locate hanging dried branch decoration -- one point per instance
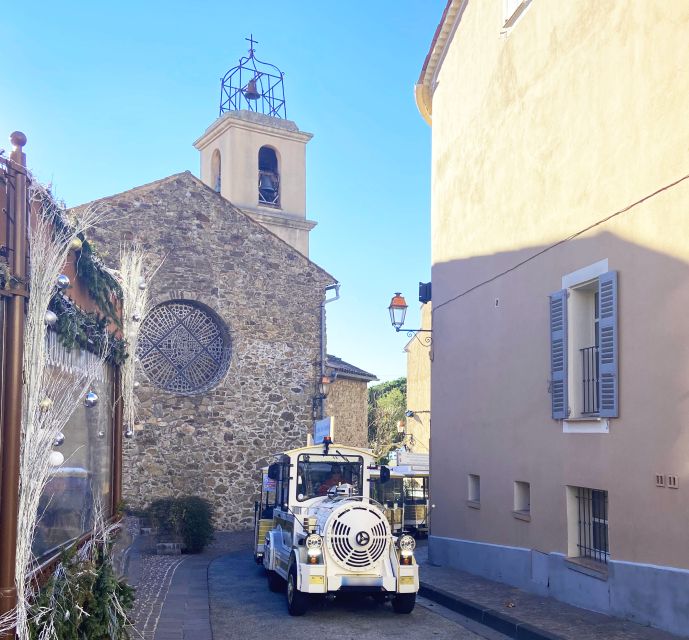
(49, 395)
(133, 273)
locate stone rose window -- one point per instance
(184, 347)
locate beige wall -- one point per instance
(579, 111)
(347, 402)
(418, 426)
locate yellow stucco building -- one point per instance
(560, 250)
(417, 424)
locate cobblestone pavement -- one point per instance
(243, 608)
(172, 591)
(222, 594)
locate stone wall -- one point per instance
(347, 402)
(269, 296)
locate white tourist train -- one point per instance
(318, 530)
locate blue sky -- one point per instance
(112, 95)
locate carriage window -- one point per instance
(389, 494)
(318, 473)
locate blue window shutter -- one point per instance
(558, 354)
(608, 345)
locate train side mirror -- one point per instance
(274, 471)
(384, 474)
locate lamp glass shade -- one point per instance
(398, 310)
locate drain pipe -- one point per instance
(336, 288)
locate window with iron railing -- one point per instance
(592, 510)
(584, 347)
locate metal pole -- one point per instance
(117, 442)
(14, 349)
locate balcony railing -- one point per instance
(590, 380)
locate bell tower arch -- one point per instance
(254, 156)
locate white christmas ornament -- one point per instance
(56, 458)
(50, 318)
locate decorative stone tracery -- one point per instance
(184, 348)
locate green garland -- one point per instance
(86, 330)
(74, 326)
(102, 287)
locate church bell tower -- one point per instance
(254, 156)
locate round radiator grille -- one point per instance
(357, 535)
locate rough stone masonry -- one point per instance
(266, 299)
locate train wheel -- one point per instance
(404, 602)
(296, 600)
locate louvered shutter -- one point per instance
(558, 354)
(608, 353)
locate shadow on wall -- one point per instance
(492, 363)
(492, 414)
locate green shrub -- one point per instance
(188, 519)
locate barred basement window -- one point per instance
(592, 523)
(184, 347)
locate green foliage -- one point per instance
(83, 600)
(86, 330)
(102, 287)
(387, 403)
(188, 519)
(74, 326)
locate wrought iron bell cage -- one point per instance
(253, 85)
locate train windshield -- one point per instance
(316, 474)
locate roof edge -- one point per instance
(425, 86)
(189, 174)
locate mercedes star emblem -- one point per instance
(362, 538)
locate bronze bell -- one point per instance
(265, 182)
(250, 91)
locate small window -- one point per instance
(268, 178)
(522, 499)
(474, 490)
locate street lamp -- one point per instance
(398, 311)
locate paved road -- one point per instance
(242, 608)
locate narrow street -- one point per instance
(243, 607)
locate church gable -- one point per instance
(209, 436)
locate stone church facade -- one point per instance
(231, 353)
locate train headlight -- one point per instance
(407, 544)
(314, 545)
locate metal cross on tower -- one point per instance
(253, 85)
(251, 42)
